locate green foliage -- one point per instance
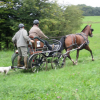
(54, 20)
(89, 11)
(62, 21)
(72, 19)
(3, 44)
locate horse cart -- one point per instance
(39, 56)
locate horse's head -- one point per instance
(90, 33)
(88, 30)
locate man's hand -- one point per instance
(47, 38)
(15, 44)
(31, 41)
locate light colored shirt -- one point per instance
(35, 31)
(21, 38)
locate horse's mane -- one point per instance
(84, 28)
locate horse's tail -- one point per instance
(62, 40)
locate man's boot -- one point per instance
(25, 62)
(19, 60)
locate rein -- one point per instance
(82, 35)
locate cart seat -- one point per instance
(38, 43)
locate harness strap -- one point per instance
(73, 40)
(75, 44)
(85, 38)
(82, 35)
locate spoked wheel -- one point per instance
(38, 62)
(58, 60)
(15, 60)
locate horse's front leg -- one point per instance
(87, 48)
(77, 55)
(68, 55)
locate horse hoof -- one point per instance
(93, 59)
(74, 63)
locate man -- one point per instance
(35, 31)
(21, 38)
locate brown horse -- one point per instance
(78, 41)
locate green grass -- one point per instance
(91, 20)
(79, 82)
(5, 58)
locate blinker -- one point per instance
(92, 29)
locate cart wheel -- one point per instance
(58, 60)
(15, 60)
(38, 62)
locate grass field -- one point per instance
(92, 20)
(73, 82)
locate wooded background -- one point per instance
(55, 20)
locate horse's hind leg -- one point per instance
(87, 48)
(77, 56)
(68, 55)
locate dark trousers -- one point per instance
(62, 40)
(47, 44)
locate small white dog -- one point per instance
(5, 69)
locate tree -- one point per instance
(54, 20)
(61, 21)
(89, 11)
(73, 16)
(5, 5)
